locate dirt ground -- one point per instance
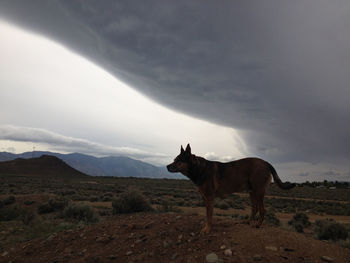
(173, 238)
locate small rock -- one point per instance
(272, 248)
(327, 259)
(148, 225)
(128, 253)
(4, 254)
(68, 250)
(212, 258)
(178, 229)
(102, 239)
(192, 234)
(28, 251)
(162, 233)
(51, 237)
(174, 256)
(178, 217)
(132, 227)
(139, 258)
(289, 249)
(228, 252)
(257, 257)
(223, 247)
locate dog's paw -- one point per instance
(205, 230)
(257, 225)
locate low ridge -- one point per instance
(45, 165)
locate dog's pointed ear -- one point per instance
(188, 148)
(182, 149)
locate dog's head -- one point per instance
(181, 162)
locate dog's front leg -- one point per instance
(209, 204)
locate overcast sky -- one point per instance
(234, 78)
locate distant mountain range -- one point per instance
(45, 165)
(103, 166)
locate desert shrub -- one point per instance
(271, 218)
(78, 197)
(235, 215)
(52, 205)
(58, 204)
(130, 202)
(243, 217)
(45, 208)
(345, 243)
(28, 202)
(222, 204)
(237, 202)
(104, 212)
(94, 199)
(180, 203)
(67, 192)
(80, 212)
(8, 214)
(27, 217)
(298, 226)
(106, 199)
(166, 207)
(9, 200)
(299, 222)
(330, 230)
(199, 203)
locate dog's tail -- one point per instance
(284, 186)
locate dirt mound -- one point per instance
(45, 166)
(173, 238)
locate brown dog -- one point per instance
(216, 179)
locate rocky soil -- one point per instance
(174, 238)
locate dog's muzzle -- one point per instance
(171, 168)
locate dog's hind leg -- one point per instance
(254, 208)
(260, 201)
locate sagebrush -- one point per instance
(131, 202)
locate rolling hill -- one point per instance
(45, 165)
(104, 166)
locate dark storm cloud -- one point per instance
(276, 70)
